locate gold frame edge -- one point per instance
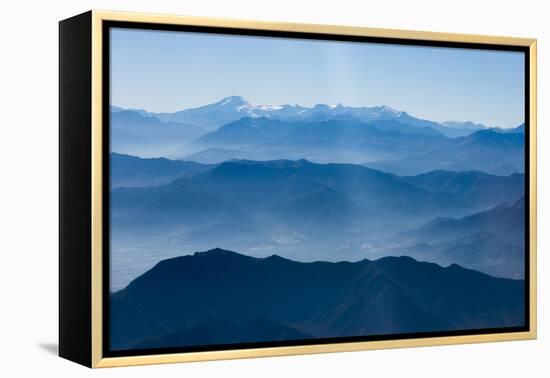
(533, 188)
(98, 361)
(97, 195)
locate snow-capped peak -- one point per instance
(234, 101)
(270, 107)
(389, 109)
(464, 125)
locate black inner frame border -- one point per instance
(106, 27)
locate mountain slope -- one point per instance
(213, 115)
(321, 140)
(247, 131)
(507, 221)
(219, 155)
(464, 125)
(488, 150)
(491, 241)
(484, 252)
(476, 188)
(251, 184)
(139, 134)
(131, 171)
(185, 299)
(163, 208)
(387, 144)
(219, 331)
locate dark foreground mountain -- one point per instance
(216, 330)
(221, 297)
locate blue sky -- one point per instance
(169, 71)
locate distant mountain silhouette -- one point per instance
(333, 140)
(210, 116)
(507, 221)
(278, 192)
(219, 155)
(494, 138)
(405, 128)
(488, 150)
(484, 252)
(162, 208)
(515, 130)
(476, 188)
(388, 144)
(253, 183)
(138, 133)
(519, 129)
(223, 297)
(491, 241)
(233, 108)
(381, 137)
(131, 171)
(247, 131)
(468, 125)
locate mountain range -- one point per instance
(222, 297)
(379, 137)
(475, 189)
(376, 145)
(299, 209)
(277, 203)
(233, 108)
(387, 145)
(334, 140)
(491, 151)
(323, 202)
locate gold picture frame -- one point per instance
(93, 353)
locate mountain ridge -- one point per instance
(321, 299)
(132, 171)
(491, 241)
(234, 107)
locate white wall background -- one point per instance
(28, 200)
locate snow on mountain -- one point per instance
(464, 125)
(232, 108)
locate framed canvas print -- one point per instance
(236, 189)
